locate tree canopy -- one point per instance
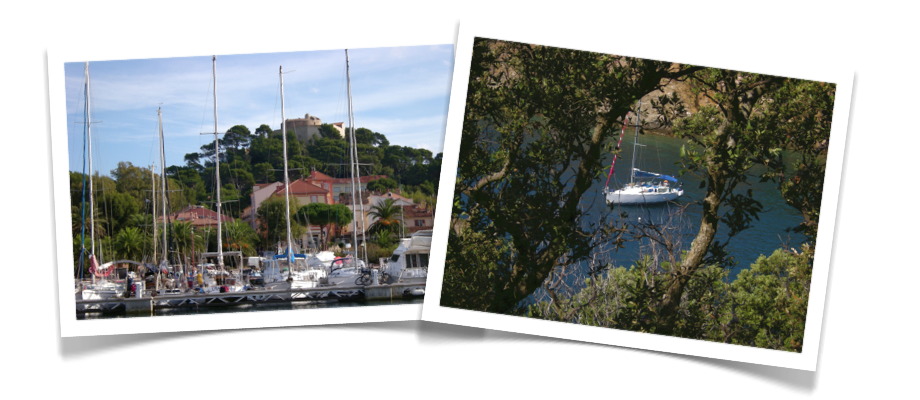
(537, 122)
(537, 119)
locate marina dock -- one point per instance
(191, 299)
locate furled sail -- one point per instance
(651, 175)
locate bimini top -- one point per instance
(649, 175)
(284, 256)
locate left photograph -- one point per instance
(249, 183)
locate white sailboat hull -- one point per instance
(345, 276)
(101, 294)
(643, 195)
(102, 291)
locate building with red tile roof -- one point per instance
(341, 187)
(417, 218)
(305, 192)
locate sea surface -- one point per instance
(772, 230)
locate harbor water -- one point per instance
(248, 307)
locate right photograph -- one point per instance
(639, 195)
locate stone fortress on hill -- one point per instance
(306, 128)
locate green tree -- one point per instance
(537, 120)
(369, 137)
(742, 128)
(382, 185)
(263, 131)
(323, 214)
(328, 131)
(193, 160)
(119, 207)
(764, 306)
(751, 119)
(267, 149)
(770, 301)
(800, 112)
(189, 181)
(263, 172)
(272, 222)
(236, 138)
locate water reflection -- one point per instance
(250, 307)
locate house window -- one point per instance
(419, 222)
(314, 199)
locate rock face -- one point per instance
(653, 121)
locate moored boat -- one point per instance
(644, 187)
(409, 262)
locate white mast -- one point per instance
(153, 202)
(632, 169)
(89, 143)
(355, 170)
(163, 192)
(220, 245)
(287, 181)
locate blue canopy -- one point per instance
(650, 175)
(283, 256)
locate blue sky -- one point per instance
(402, 92)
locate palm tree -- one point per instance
(386, 216)
(240, 236)
(129, 243)
(183, 235)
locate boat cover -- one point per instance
(644, 174)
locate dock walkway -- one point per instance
(192, 299)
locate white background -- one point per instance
(869, 338)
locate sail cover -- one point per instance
(651, 175)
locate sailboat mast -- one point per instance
(287, 181)
(632, 169)
(220, 245)
(163, 182)
(89, 143)
(153, 202)
(355, 170)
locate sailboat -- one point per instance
(289, 270)
(349, 270)
(167, 281)
(644, 187)
(223, 280)
(101, 287)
